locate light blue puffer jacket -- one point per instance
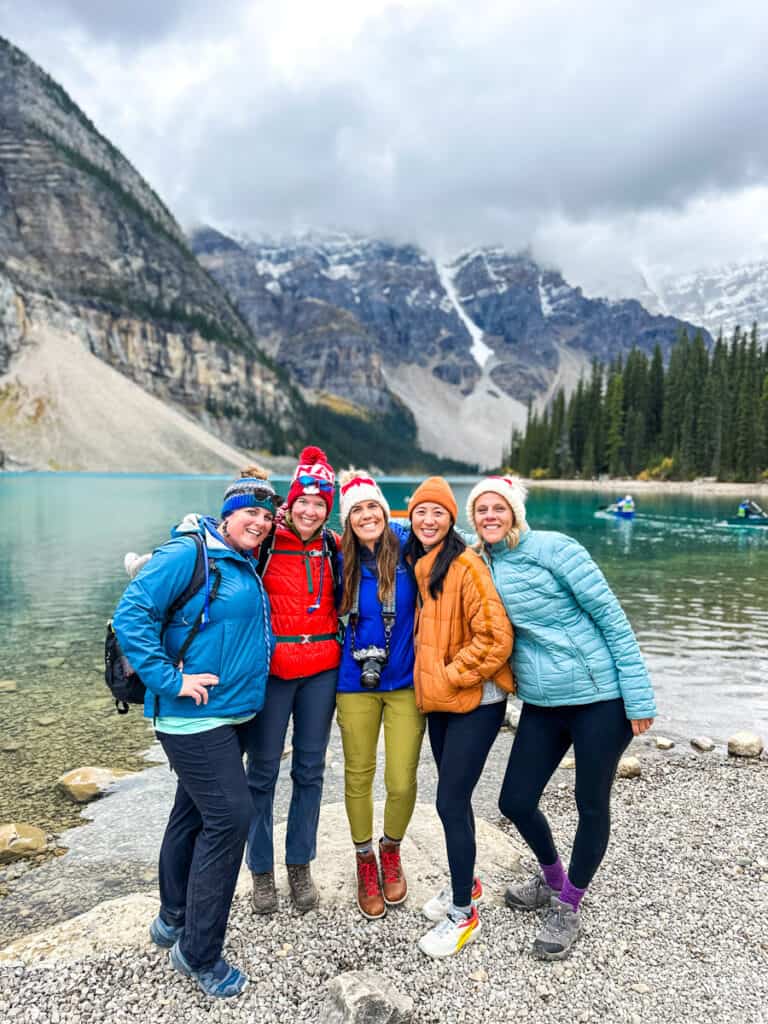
(573, 642)
(236, 645)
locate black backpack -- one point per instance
(123, 681)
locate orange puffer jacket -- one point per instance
(306, 641)
(462, 639)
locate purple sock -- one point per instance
(570, 894)
(554, 875)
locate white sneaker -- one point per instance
(436, 908)
(449, 936)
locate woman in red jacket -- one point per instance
(298, 575)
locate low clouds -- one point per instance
(581, 128)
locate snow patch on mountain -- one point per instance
(481, 352)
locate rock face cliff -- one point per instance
(465, 346)
(89, 251)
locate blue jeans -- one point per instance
(312, 701)
(460, 745)
(205, 836)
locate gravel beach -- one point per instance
(675, 928)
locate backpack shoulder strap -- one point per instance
(198, 578)
(265, 553)
(331, 549)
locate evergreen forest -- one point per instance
(704, 414)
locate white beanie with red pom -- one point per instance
(355, 486)
(510, 488)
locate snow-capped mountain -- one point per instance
(720, 299)
(465, 344)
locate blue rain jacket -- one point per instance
(398, 672)
(573, 642)
(236, 645)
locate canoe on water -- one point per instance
(747, 521)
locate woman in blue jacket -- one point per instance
(375, 687)
(203, 707)
(582, 681)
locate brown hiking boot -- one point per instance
(393, 880)
(264, 895)
(370, 902)
(303, 890)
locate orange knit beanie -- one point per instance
(437, 490)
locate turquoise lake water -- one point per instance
(696, 594)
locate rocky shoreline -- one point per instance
(673, 925)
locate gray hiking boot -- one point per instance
(532, 894)
(303, 890)
(558, 931)
(264, 896)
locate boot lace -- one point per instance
(369, 876)
(390, 866)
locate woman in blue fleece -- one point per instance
(203, 708)
(582, 681)
(375, 688)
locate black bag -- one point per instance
(123, 681)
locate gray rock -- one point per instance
(703, 743)
(745, 744)
(629, 768)
(365, 997)
(662, 743)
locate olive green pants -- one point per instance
(360, 716)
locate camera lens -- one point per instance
(370, 674)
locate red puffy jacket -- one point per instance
(296, 575)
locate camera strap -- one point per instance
(388, 615)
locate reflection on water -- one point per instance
(696, 595)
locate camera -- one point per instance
(371, 660)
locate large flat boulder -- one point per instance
(114, 924)
(422, 851)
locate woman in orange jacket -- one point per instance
(463, 641)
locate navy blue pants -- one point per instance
(204, 839)
(460, 745)
(311, 701)
(600, 733)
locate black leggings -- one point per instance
(460, 744)
(600, 734)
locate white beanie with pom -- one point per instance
(355, 486)
(510, 488)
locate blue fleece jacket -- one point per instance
(236, 645)
(398, 672)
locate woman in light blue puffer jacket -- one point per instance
(582, 681)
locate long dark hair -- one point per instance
(452, 547)
(387, 557)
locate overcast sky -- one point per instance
(605, 134)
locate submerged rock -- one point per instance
(18, 840)
(8, 686)
(629, 768)
(703, 743)
(85, 784)
(745, 744)
(365, 997)
(113, 925)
